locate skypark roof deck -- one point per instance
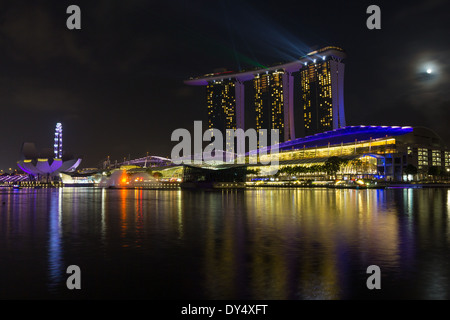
(292, 66)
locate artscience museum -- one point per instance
(47, 163)
(44, 165)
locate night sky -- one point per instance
(117, 86)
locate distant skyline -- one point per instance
(117, 86)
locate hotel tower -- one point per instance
(320, 105)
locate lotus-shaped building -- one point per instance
(47, 163)
(43, 164)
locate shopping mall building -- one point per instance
(381, 152)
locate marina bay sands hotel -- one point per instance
(311, 88)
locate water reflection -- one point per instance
(317, 237)
(55, 260)
(296, 243)
(123, 215)
(103, 213)
(254, 244)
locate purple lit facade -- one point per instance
(46, 164)
(13, 178)
(345, 135)
(48, 167)
(394, 147)
(58, 141)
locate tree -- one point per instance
(254, 171)
(410, 169)
(332, 165)
(434, 171)
(357, 164)
(157, 175)
(316, 168)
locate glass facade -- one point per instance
(221, 102)
(379, 147)
(269, 101)
(315, 80)
(447, 160)
(436, 158)
(422, 158)
(385, 152)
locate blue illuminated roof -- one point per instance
(345, 135)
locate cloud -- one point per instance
(31, 33)
(30, 96)
(411, 11)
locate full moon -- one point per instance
(429, 71)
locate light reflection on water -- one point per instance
(55, 263)
(254, 244)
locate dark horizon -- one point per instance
(117, 85)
